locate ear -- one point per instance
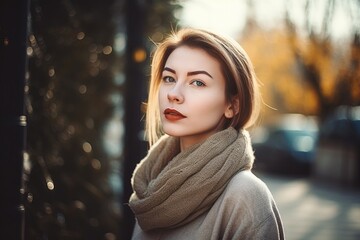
(233, 108)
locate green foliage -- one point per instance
(70, 80)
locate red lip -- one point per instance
(173, 115)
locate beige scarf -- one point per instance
(172, 188)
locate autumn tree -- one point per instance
(282, 88)
(331, 70)
(304, 67)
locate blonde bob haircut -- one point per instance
(242, 87)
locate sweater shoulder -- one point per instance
(247, 194)
(245, 184)
(246, 210)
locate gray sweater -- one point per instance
(245, 210)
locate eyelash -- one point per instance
(198, 83)
(168, 79)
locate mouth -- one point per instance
(173, 115)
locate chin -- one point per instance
(174, 131)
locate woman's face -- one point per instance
(192, 96)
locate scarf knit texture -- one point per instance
(172, 188)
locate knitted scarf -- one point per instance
(171, 188)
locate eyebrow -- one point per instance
(189, 73)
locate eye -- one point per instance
(168, 79)
(198, 83)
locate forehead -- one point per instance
(192, 59)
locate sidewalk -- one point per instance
(312, 211)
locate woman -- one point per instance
(196, 181)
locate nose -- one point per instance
(175, 95)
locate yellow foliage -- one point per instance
(275, 66)
(320, 55)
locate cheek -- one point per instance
(212, 105)
(162, 97)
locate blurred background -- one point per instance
(79, 123)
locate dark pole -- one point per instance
(13, 61)
(135, 89)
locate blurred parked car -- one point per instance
(338, 150)
(286, 145)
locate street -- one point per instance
(315, 211)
